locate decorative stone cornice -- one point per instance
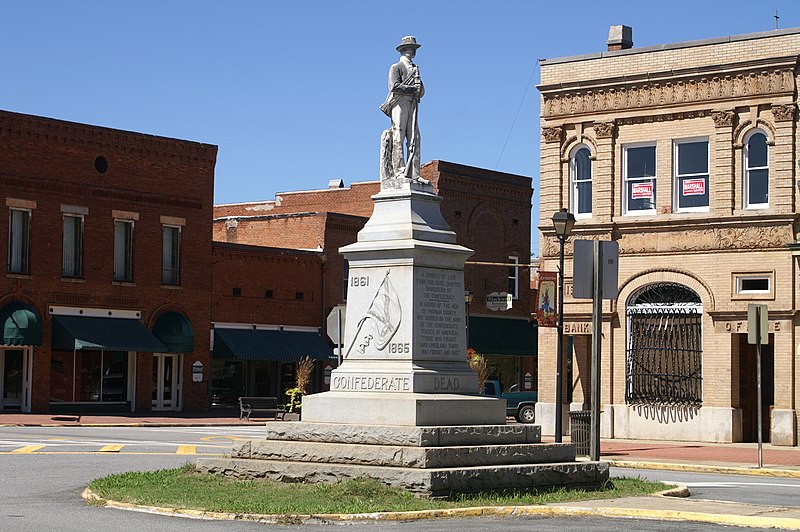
(723, 118)
(552, 134)
(686, 240)
(671, 90)
(783, 113)
(604, 130)
(666, 117)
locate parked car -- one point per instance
(520, 405)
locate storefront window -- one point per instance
(227, 382)
(89, 376)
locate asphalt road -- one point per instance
(40, 488)
(770, 491)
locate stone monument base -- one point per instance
(412, 409)
(430, 461)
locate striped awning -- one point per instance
(278, 346)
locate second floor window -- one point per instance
(581, 182)
(123, 250)
(72, 247)
(19, 241)
(171, 255)
(691, 175)
(639, 170)
(756, 172)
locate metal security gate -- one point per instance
(664, 355)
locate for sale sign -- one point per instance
(694, 187)
(642, 190)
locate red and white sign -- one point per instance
(642, 190)
(694, 187)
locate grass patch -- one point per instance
(185, 488)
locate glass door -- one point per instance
(12, 381)
(166, 381)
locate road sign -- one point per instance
(757, 324)
(335, 324)
(583, 269)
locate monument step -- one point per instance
(430, 482)
(401, 435)
(397, 456)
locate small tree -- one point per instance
(478, 364)
(303, 373)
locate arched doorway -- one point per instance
(664, 346)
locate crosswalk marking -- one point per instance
(27, 449)
(186, 449)
(111, 448)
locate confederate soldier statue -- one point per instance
(401, 105)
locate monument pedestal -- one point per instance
(404, 406)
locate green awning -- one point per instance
(503, 336)
(103, 334)
(21, 325)
(175, 332)
(279, 346)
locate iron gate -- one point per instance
(664, 355)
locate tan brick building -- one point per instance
(685, 155)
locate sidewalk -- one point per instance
(737, 458)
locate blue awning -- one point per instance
(20, 325)
(103, 334)
(278, 346)
(175, 332)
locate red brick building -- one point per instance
(489, 211)
(105, 303)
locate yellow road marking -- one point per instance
(115, 448)
(186, 449)
(212, 438)
(27, 449)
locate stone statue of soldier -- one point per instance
(400, 145)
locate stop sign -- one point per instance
(335, 324)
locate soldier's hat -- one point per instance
(408, 41)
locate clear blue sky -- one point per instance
(289, 90)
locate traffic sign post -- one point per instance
(758, 334)
(335, 328)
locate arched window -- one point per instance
(756, 171)
(665, 346)
(581, 182)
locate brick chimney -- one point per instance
(620, 38)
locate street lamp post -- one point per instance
(562, 222)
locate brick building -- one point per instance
(107, 239)
(489, 211)
(685, 155)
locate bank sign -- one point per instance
(694, 187)
(498, 301)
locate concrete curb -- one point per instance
(257, 424)
(703, 468)
(493, 511)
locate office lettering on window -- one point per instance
(691, 175)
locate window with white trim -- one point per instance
(19, 241)
(171, 255)
(691, 175)
(581, 182)
(72, 246)
(639, 174)
(123, 250)
(756, 171)
(513, 278)
(753, 284)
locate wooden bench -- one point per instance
(260, 405)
